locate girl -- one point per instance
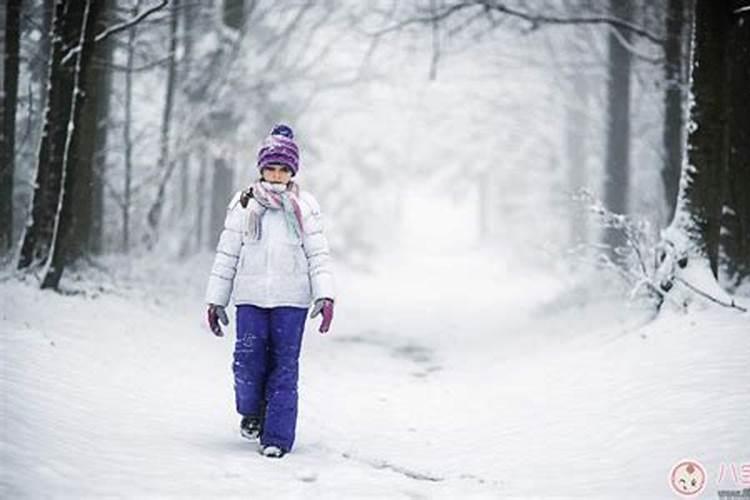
(273, 258)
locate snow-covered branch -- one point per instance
(137, 69)
(534, 19)
(127, 24)
(118, 28)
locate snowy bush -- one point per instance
(657, 270)
(637, 262)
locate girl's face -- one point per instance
(276, 173)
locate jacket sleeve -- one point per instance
(228, 250)
(318, 253)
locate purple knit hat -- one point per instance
(279, 148)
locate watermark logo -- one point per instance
(687, 478)
(740, 475)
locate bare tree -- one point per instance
(38, 233)
(87, 192)
(187, 59)
(674, 97)
(617, 158)
(102, 57)
(125, 204)
(736, 212)
(8, 102)
(704, 189)
(576, 131)
(221, 188)
(64, 222)
(716, 150)
(200, 212)
(164, 163)
(48, 9)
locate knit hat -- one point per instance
(279, 148)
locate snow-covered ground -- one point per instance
(446, 375)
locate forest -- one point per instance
(127, 125)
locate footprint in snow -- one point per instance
(307, 475)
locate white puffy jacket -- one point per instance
(279, 269)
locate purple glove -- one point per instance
(216, 314)
(326, 307)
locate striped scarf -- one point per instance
(269, 196)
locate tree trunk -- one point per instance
(674, 97)
(164, 164)
(187, 59)
(691, 248)
(127, 136)
(38, 73)
(617, 166)
(577, 127)
(64, 220)
(220, 193)
(37, 236)
(707, 142)
(44, 46)
(200, 185)
(103, 57)
(91, 121)
(736, 213)
(8, 129)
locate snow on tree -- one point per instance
(690, 249)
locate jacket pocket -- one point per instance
(286, 259)
(253, 258)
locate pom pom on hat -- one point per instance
(284, 130)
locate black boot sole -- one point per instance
(251, 435)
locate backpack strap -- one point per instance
(245, 196)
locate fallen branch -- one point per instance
(710, 297)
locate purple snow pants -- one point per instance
(266, 367)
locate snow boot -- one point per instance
(272, 451)
(250, 427)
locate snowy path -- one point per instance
(422, 390)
